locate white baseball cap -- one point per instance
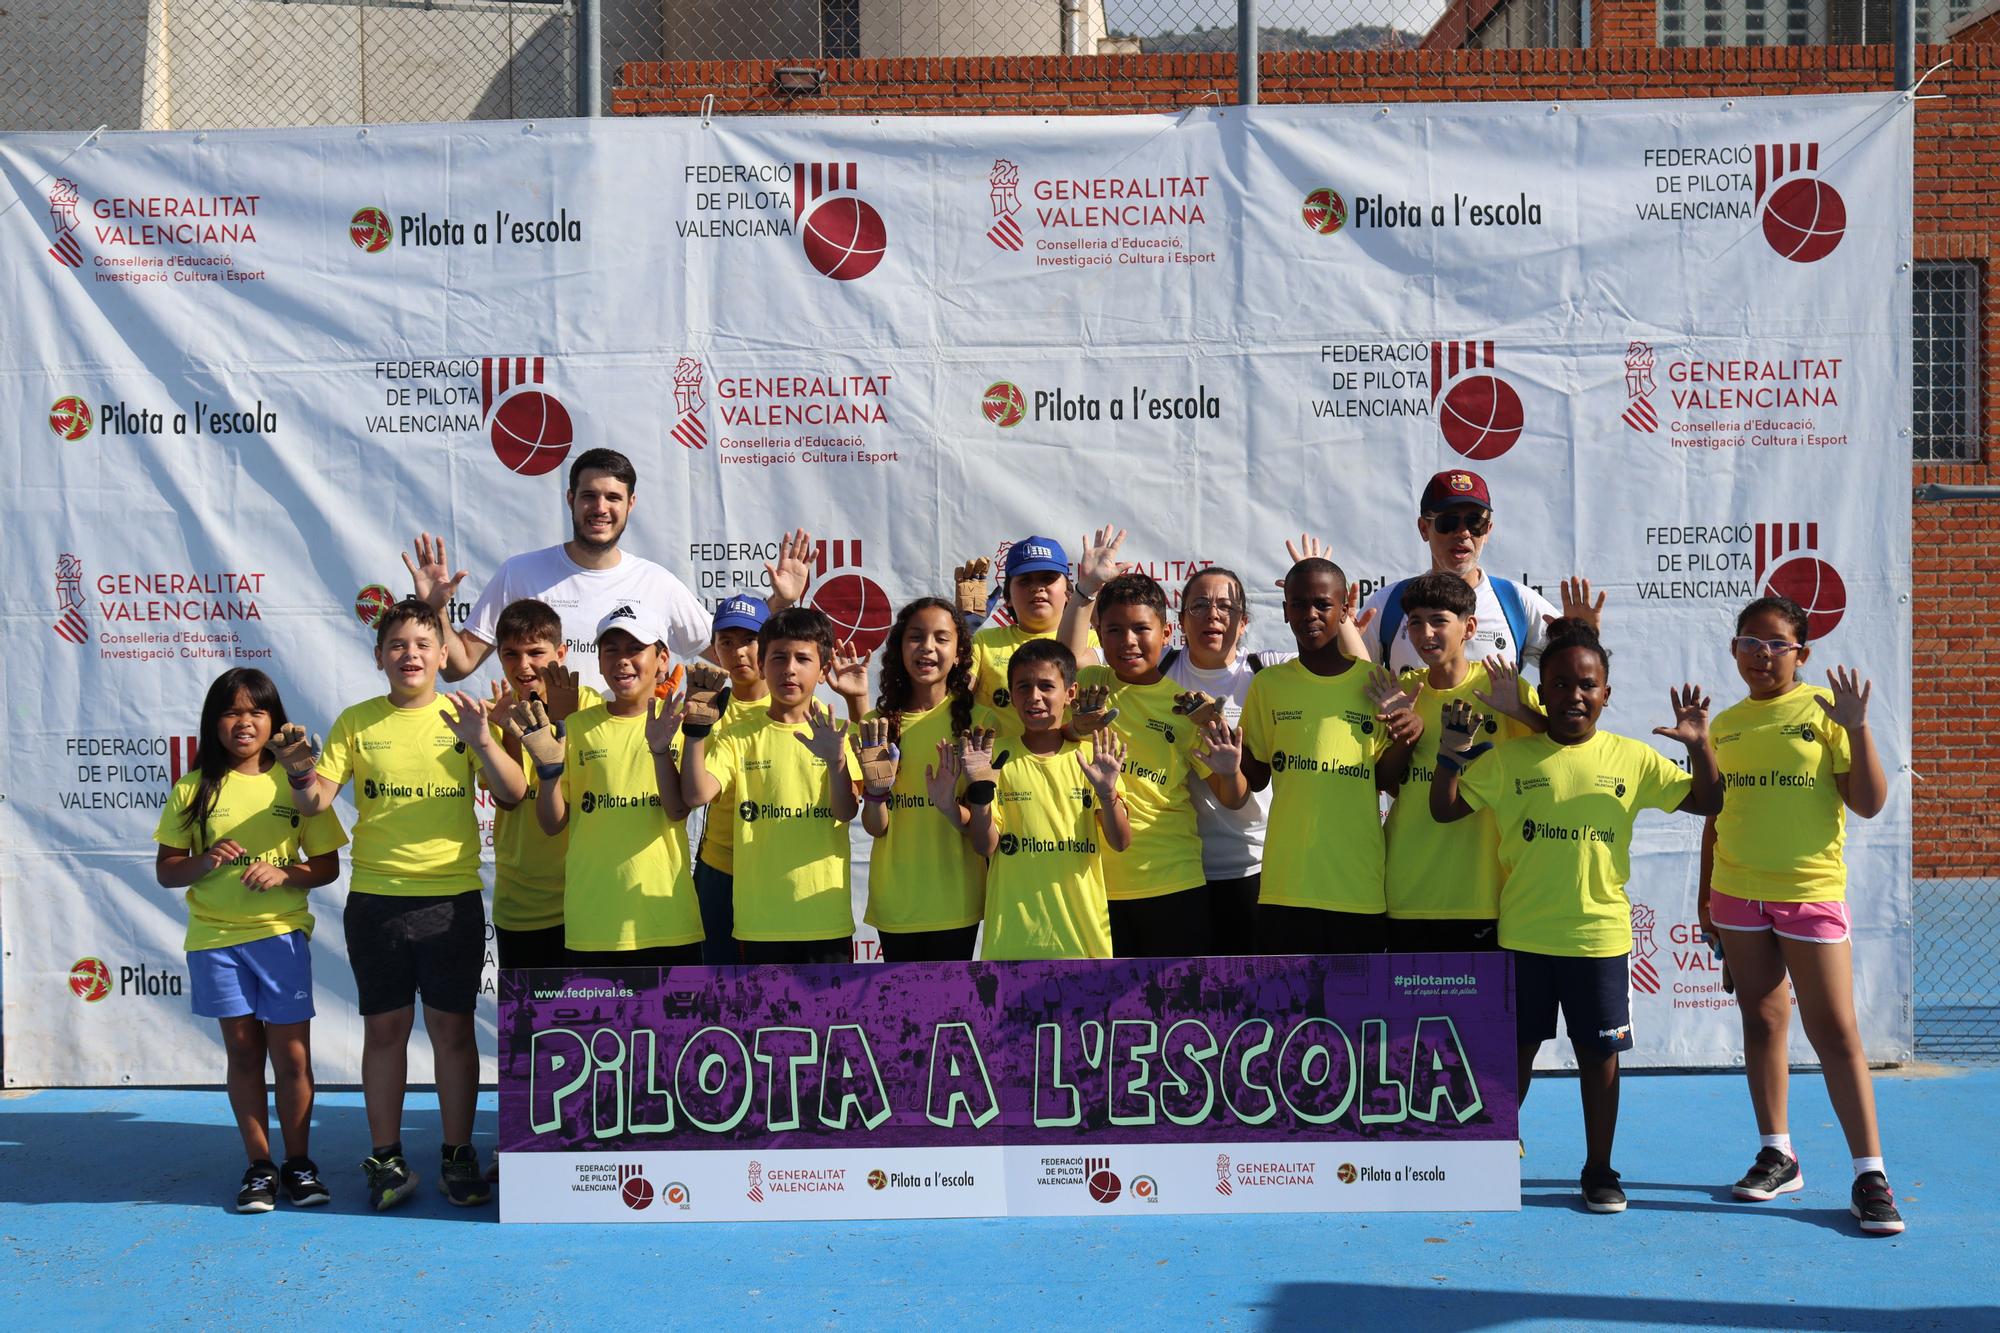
(636, 620)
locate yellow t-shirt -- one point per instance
(1565, 815)
(528, 863)
(992, 649)
(922, 874)
(1446, 871)
(630, 880)
(416, 833)
(1165, 855)
(258, 813)
(1783, 824)
(1045, 885)
(1323, 845)
(792, 873)
(718, 836)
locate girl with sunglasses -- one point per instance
(1795, 758)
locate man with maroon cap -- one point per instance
(1456, 518)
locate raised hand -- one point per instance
(1307, 547)
(467, 717)
(1098, 563)
(941, 782)
(1505, 694)
(879, 756)
(1576, 603)
(1362, 619)
(969, 583)
(1459, 727)
(849, 677)
(663, 719)
(975, 755)
(1385, 693)
(1198, 707)
(1107, 761)
(1090, 714)
(705, 699)
(1849, 709)
(1690, 716)
(1222, 747)
(431, 578)
(530, 717)
(293, 749)
(792, 570)
(559, 690)
(262, 876)
(1404, 725)
(826, 739)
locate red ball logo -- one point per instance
(1104, 1186)
(370, 231)
(69, 418)
(372, 603)
(531, 433)
(1346, 1173)
(1003, 404)
(844, 238)
(876, 1180)
(859, 610)
(1324, 211)
(638, 1192)
(1481, 416)
(89, 979)
(1818, 589)
(1804, 219)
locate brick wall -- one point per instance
(1956, 547)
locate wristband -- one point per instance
(873, 799)
(549, 772)
(300, 781)
(1086, 597)
(981, 793)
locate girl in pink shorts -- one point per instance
(1795, 758)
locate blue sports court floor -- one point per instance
(113, 1211)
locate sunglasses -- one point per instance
(1478, 524)
(1749, 646)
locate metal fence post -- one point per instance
(1246, 51)
(589, 58)
(1903, 20)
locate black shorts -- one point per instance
(792, 953)
(1594, 994)
(662, 955)
(1232, 916)
(531, 948)
(1172, 925)
(929, 946)
(401, 947)
(1442, 935)
(1288, 930)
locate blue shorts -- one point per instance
(1594, 994)
(271, 979)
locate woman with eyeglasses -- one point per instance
(1795, 758)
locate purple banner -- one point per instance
(923, 1055)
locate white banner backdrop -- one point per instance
(243, 370)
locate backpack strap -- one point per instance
(1168, 658)
(1256, 661)
(1390, 620)
(1514, 609)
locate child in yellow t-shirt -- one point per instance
(1037, 815)
(743, 697)
(1035, 581)
(232, 837)
(1326, 735)
(611, 778)
(1442, 881)
(528, 863)
(1795, 758)
(415, 920)
(926, 886)
(1565, 803)
(791, 779)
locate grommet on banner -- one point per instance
(1729, 105)
(202, 137)
(361, 133)
(707, 109)
(528, 128)
(1555, 108)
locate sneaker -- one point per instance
(1601, 1193)
(259, 1193)
(463, 1181)
(390, 1181)
(1774, 1172)
(1874, 1203)
(303, 1186)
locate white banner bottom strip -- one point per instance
(1019, 1181)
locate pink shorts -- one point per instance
(1815, 923)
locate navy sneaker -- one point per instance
(463, 1180)
(1874, 1204)
(1600, 1191)
(390, 1181)
(303, 1187)
(1774, 1172)
(259, 1193)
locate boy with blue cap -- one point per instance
(742, 695)
(1036, 587)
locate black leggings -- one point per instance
(1286, 930)
(1173, 925)
(929, 946)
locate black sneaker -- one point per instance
(462, 1180)
(1774, 1172)
(1600, 1191)
(303, 1186)
(390, 1181)
(259, 1193)
(1874, 1203)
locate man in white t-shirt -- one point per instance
(1455, 518)
(587, 577)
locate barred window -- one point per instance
(1945, 361)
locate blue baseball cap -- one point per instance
(1033, 555)
(742, 613)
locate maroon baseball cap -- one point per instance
(1456, 487)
